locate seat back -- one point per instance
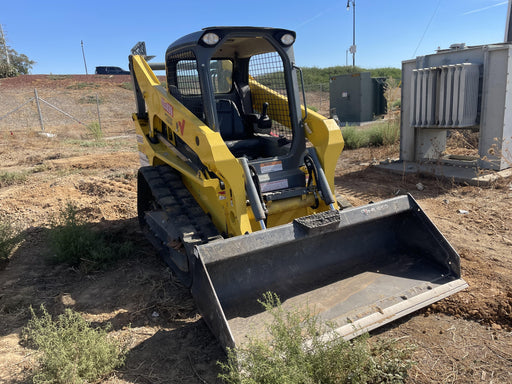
(231, 126)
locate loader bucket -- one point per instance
(360, 268)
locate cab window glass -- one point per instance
(221, 72)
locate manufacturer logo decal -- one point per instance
(167, 107)
(180, 126)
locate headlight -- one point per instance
(210, 38)
(287, 39)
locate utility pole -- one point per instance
(5, 45)
(83, 54)
(353, 47)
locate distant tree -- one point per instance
(19, 64)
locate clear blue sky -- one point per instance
(387, 32)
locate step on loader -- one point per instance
(236, 192)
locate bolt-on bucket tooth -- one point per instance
(359, 268)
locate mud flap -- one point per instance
(360, 268)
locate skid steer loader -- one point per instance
(236, 193)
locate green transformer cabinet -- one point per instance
(357, 97)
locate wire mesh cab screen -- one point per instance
(267, 70)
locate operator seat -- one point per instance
(233, 130)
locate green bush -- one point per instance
(9, 238)
(73, 241)
(354, 138)
(126, 85)
(378, 134)
(12, 178)
(90, 99)
(95, 130)
(302, 349)
(83, 85)
(71, 352)
(397, 104)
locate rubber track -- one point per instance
(191, 226)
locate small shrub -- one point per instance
(126, 85)
(397, 104)
(70, 350)
(73, 241)
(59, 77)
(95, 129)
(89, 143)
(83, 85)
(354, 138)
(12, 178)
(385, 133)
(90, 99)
(9, 238)
(375, 136)
(302, 349)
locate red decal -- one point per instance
(167, 107)
(181, 126)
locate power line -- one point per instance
(428, 25)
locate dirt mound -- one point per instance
(62, 81)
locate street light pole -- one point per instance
(353, 47)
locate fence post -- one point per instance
(39, 110)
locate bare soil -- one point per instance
(465, 338)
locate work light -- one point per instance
(287, 39)
(210, 38)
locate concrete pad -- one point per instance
(457, 173)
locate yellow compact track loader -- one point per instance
(236, 192)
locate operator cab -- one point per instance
(219, 74)
(242, 83)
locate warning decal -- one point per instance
(272, 166)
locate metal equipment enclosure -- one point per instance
(357, 97)
(458, 89)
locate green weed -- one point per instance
(378, 134)
(74, 241)
(83, 85)
(302, 349)
(127, 85)
(354, 138)
(95, 130)
(70, 350)
(10, 236)
(396, 104)
(59, 77)
(89, 143)
(12, 178)
(90, 99)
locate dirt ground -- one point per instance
(466, 338)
